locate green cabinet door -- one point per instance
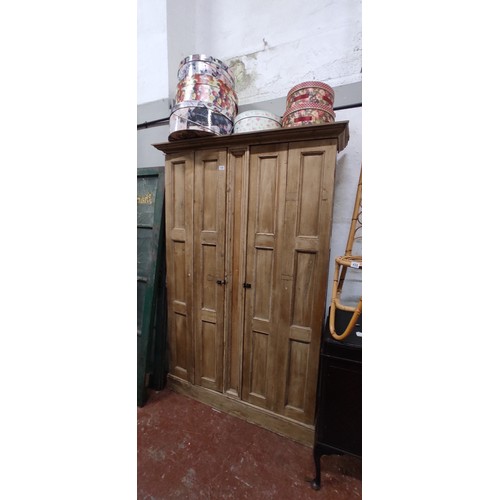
(150, 253)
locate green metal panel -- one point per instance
(159, 354)
(150, 252)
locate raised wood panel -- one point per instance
(207, 199)
(298, 360)
(309, 195)
(304, 272)
(259, 362)
(261, 325)
(208, 274)
(208, 254)
(300, 333)
(266, 195)
(208, 369)
(179, 277)
(179, 220)
(263, 296)
(303, 289)
(179, 195)
(179, 345)
(179, 307)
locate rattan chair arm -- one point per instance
(350, 326)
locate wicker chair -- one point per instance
(342, 264)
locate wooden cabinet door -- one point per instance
(209, 223)
(179, 242)
(266, 190)
(304, 273)
(290, 200)
(275, 242)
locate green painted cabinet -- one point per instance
(151, 293)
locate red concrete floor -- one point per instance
(189, 450)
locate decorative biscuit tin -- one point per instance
(205, 101)
(208, 89)
(307, 113)
(197, 119)
(316, 92)
(256, 119)
(205, 65)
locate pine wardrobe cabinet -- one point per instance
(248, 229)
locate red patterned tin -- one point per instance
(201, 64)
(315, 92)
(208, 89)
(205, 101)
(307, 113)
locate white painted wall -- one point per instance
(271, 45)
(152, 57)
(346, 183)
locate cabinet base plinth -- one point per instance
(283, 426)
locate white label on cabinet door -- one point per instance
(359, 334)
(353, 264)
(222, 167)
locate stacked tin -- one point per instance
(309, 103)
(255, 120)
(205, 101)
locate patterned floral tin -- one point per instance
(208, 89)
(256, 119)
(316, 92)
(205, 65)
(196, 119)
(307, 113)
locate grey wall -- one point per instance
(147, 155)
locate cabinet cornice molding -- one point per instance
(337, 130)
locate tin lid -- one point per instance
(298, 106)
(305, 85)
(204, 58)
(257, 113)
(207, 59)
(201, 104)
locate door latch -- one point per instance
(247, 285)
(221, 282)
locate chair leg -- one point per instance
(316, 482)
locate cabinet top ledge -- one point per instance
(337, 130)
